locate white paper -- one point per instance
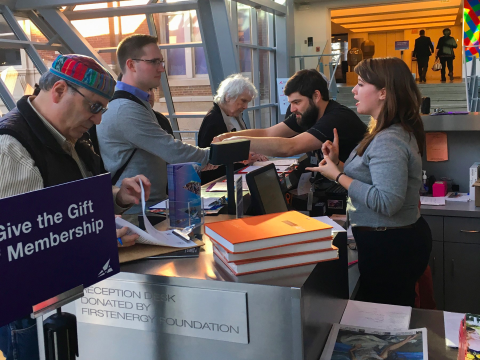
(249, 169)
(206, 204)
(222, 185)
(165, 238)
(452, 327)
(304, 184)
(153, 236)
(279, 168)
(282, 98)
(326, 220)
(462, 197)
(427, 200)
(277, 162)
(377, 316)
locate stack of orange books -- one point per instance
(270, 242)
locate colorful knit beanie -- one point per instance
(86, 72)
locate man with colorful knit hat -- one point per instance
(43, 142)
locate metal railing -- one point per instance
(332, 67)
(472, 81)
(194, 132)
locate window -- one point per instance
(3, 108)
(108, 32)
(183, 28)
(16, 70)
(8, 57)
(256, 55)
(244, 28)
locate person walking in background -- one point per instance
(422, 51)
(445, 47)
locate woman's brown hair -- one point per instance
(402, 101)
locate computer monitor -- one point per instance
(265, 190)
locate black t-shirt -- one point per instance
(349, 127)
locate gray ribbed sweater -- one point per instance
(387, 180)
(128, 125)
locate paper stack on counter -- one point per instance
(278, 162)
(427, 200)
(222, 185)
(153, 236)
(208, 204)
(280, 169)
(377, 316)
(459, 197)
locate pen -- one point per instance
(120, 241)
(181, 235)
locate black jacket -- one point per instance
(213, 125)
(55, 165)
(423, 47)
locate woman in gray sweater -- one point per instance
(383, 176)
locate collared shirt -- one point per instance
(66, 145)
(142, 95)
(19, 173)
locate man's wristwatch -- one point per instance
(338, 177)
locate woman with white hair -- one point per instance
(231, 99)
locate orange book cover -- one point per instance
(266, 231)
(328, 238)
(278, 262)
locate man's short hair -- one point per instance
(306, 82)
(422, 32)
(132, 48)
(48, 79)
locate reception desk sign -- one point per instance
(53, 240)
(196, 312)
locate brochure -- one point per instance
(349, 342)
(377, 316)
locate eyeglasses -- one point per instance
(155, 62)
(95, 108)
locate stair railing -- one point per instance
(471, 81)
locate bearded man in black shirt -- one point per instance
(313, 118)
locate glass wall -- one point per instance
(255, 42)
(17, 71)
(8, 57)
(182, 28)
(180, 41)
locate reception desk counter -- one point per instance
(199, 310)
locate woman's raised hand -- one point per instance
(332, 149)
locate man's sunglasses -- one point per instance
(95, 108)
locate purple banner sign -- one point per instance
(402, 45)
(53, 240)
